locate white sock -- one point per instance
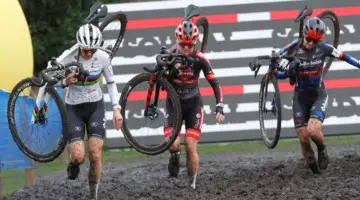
(193, 181)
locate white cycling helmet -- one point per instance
(89, 37)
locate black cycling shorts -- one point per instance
(309, 105)
(90, 115)
(192, 113)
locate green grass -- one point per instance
(13, 180)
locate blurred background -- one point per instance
(239, 31)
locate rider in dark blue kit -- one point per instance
(310, 97)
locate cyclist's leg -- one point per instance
(301, 117)
(75, 140)
(168, 123)
(174, 150)
(193, 124)
(96, 134)
(317, 116)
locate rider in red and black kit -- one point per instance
(185, 83)
(310, 97)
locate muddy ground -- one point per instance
(276, 174)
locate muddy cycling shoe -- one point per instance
(174, 164)
(313, 165)
(192, 181)
(323, 158)
(73, 171)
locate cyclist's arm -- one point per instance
(335, 53)
(285, 51)
(210, 77)
(65, 58)
(280, 74)
(111, 85)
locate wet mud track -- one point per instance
(276, 174)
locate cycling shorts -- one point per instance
(309, 105)
(86, 115)
(192, 114)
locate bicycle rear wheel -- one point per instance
(334, 38)
(113, 25)
(40, 132)
(203, 22)
(271, 106)
(131, 97)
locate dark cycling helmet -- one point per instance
(314, 28)
(187, 32)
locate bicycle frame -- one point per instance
(41, 93)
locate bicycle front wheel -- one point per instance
(39, 130)
(270, 110)
(145, 131)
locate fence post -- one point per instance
(29, 177)
(64, 155)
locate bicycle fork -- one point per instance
(265, 92)
(273, 102)
(42, 111)
(149, 94)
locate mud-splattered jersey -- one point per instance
(310, 71)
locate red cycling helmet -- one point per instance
(187, 33)
(314, 28)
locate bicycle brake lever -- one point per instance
(256, 71)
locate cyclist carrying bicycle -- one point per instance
(310, 98)
(84, 103)
(186, 85)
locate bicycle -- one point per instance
(270, 76)
(158, 78)
(47, 93)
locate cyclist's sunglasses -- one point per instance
(86, 51)
(182, 45)
(309, 39)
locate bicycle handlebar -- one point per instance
(56, 67)
(303, 13)
(97, 10)
(255, 66)
(170, 59)
(300, 18)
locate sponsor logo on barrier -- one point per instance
(157, 40)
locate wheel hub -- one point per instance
(153, 112)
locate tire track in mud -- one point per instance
(276, 174)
